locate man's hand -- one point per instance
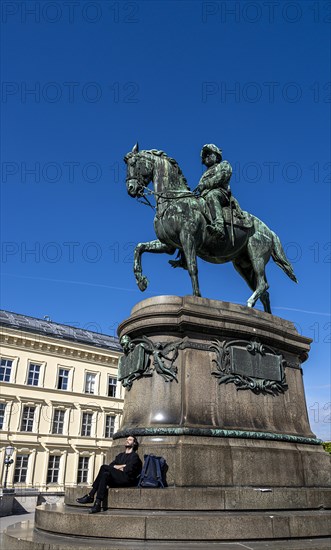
(198, 190)
(119, 467)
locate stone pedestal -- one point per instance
(219, 422)
(216, 389)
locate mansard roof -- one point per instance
(45, 327)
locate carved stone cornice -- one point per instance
(89, 407)
(33, 401)
(182, 315)
(64, 349)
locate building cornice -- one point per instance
(67, 394)
(48, 346)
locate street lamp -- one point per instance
(8, 461)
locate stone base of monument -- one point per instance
(186, 518)
(216, 389)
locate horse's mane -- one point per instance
(163, 155)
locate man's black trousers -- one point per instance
(109, 476)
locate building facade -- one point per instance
(59, 402)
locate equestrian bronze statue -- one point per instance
(207, 222)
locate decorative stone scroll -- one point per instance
(142, 358)
(250, 366)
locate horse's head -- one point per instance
(139, 171)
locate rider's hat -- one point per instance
(210, 148)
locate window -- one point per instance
(62, 383)
(86, 424)
(33, 376)
(89, 382)
(5, 369)
(27, 419)
(58, 421)
(21, 468)
(112, 386)
(53, 469)
(82, 469)
(110, 425)
(2, 414)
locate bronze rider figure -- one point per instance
(214, 187)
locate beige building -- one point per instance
(59, 403)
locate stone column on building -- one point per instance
(91, 473)
(37, 417)
(43, 481)
(8, 413)
(67, 415)
(63, 465)
(2, 461)
(11, 469)
(74, 474)
(31, 467)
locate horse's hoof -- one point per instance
(142, 283)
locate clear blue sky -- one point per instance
(82, 81)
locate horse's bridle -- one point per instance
(143, 190)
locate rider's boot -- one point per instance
(217, 229)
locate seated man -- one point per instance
(122, 472)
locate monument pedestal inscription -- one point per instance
(217, 390)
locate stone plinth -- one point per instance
(219, 434)
(216, 389)
(179, 525)
(210, 498)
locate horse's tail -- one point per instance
(279, 257)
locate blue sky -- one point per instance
(82, 81)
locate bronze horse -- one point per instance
(180, 223)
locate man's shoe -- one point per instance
(87, 499)
(96, 508)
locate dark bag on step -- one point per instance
(153, 473)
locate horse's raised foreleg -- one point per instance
(156, 247)
(189, 250)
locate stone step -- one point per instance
(211, 498)
(23, 536)
(183, 525)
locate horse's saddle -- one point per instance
(231, 214)
(240, 218)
